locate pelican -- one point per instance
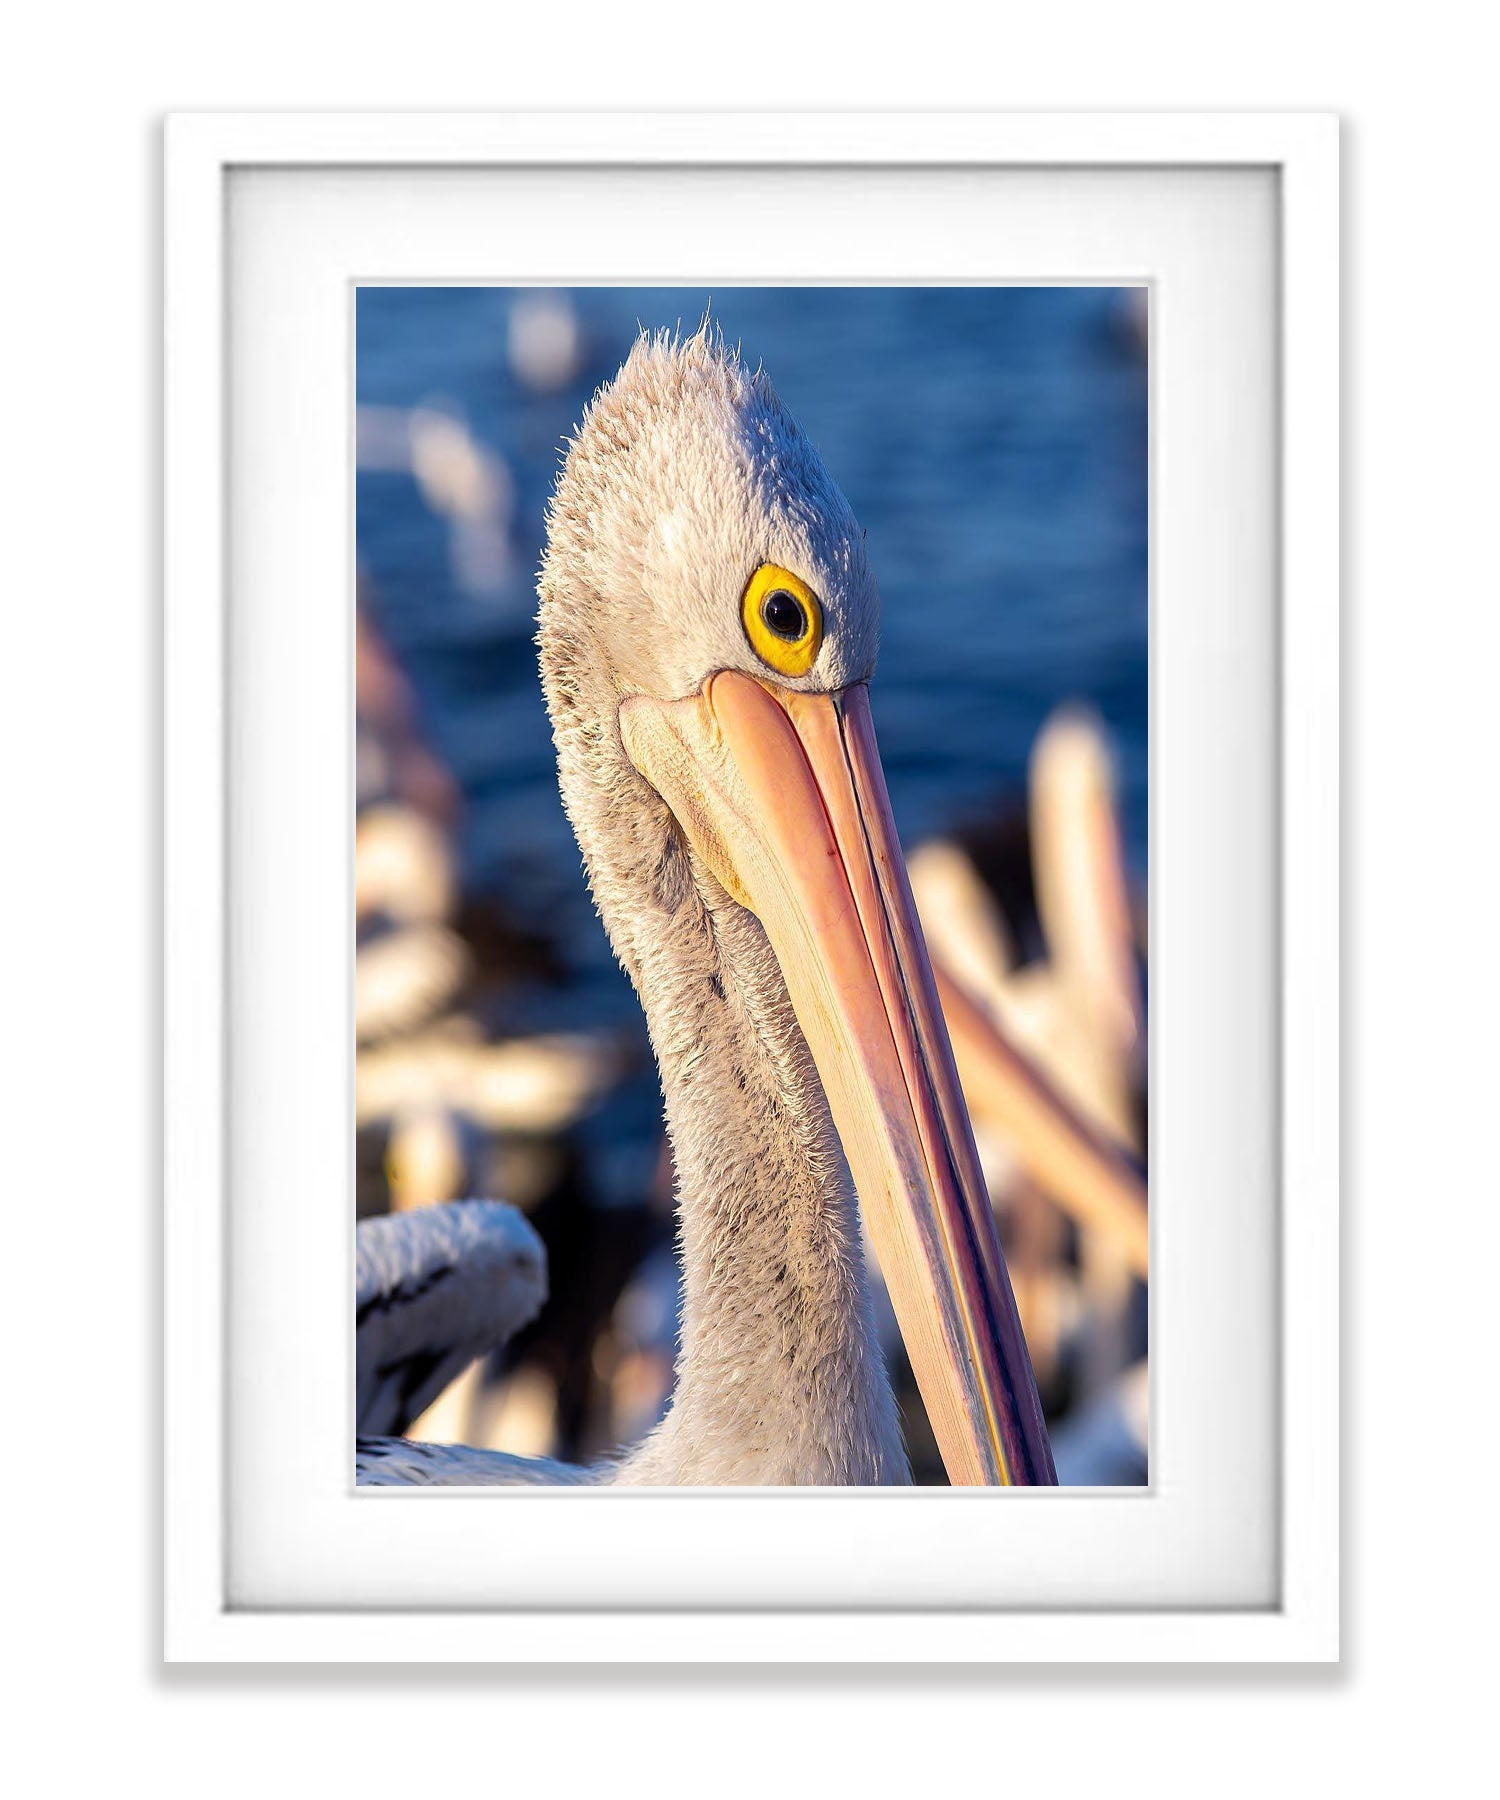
(1047, 1053)
(404, 979)
(434, 1290)
(403, 866)
(707, 630)
(1070, 1028)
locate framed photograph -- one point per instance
(752, 888)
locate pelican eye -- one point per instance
(783, 614)
(782, 619)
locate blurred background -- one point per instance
(993, 442)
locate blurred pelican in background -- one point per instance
(1077, 1013)
(461, 479)
(444, 1101)
(544, 341)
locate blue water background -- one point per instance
(993, 442)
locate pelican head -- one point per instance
(709, 622)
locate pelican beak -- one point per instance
(783, 797)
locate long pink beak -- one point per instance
(782, 795)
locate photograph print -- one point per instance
(751, 886)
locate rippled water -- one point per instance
(991, 440)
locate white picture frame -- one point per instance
(218, 1606)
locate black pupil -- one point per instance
(783, 614)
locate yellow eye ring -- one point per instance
(783, 620)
